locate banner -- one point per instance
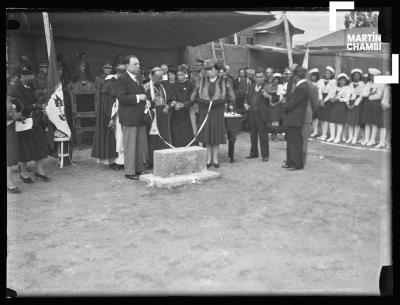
(55, 108)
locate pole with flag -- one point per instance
(55, 109)
(305, 60)
(288, 40)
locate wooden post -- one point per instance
(338, 63)
(288, 42)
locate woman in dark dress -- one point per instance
(325, 85)
(272, 88)
(353, 113)
(218, 90)
(339, 98)
(181, 126)
(104, 147)
(371, 112)
(32, 144)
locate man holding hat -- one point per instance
(295, 115)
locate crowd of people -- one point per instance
(143, 110)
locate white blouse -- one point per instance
(343, 93)
(356, 90)
(375, 89)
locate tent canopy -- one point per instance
(149, 30)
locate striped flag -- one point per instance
(55, 108)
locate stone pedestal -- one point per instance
(178, 166)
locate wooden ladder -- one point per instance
(218, 51)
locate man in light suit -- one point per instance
(132, 102)
(295, 115)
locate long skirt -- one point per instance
(181, 128)
(32, 144)
(104, 146)
(324, 111)
(213, 132)
(338, 114)
(386, 118)
(12, 145)
(275, 113)
(353, 116)
(371, 112)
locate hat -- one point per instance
(269, 70)
(356, 71)
(315, 70)
(120, 68)
(277, 75)
(172, 70)
(374, 71)
(209, 63)
(330, 69)
(300, 71)
(107, 64)
(182, 68)
(343, 75)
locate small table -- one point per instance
(233, 125)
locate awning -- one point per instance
(156, 30)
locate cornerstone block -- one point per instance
(179, 161)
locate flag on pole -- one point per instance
(55, 108)
(305, 60)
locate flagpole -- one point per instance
(287, 34)
(306, 57)
(47, 32)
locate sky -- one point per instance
(314, 23)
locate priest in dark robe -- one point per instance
(103, 147)
(181, 126)
(160, 132)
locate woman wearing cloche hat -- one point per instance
(212, 87)
(371, 113)
(325, 85)
(353, 113)
(339, 97)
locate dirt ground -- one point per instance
(257, 229)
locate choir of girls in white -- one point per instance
(352, 109)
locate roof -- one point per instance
(339, 38)
(270, 26)
(155, 30)
(275, 49)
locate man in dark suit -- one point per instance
(256, 105)
(132, 102)
(295, 115)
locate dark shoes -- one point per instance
(43, 177)
(132, 177)
(116, 166)
(26, 180)
(285, 166)
(216, 165)
(294, 169)
(14, 190)
(208, 165)
(251, 157)
(265, 159)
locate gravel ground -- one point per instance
(257, 229)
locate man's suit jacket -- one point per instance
(289, 88)
(261, 102)
(131, 113)
(295, 108)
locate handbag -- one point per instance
(23, 126)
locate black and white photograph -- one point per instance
(199, 152)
